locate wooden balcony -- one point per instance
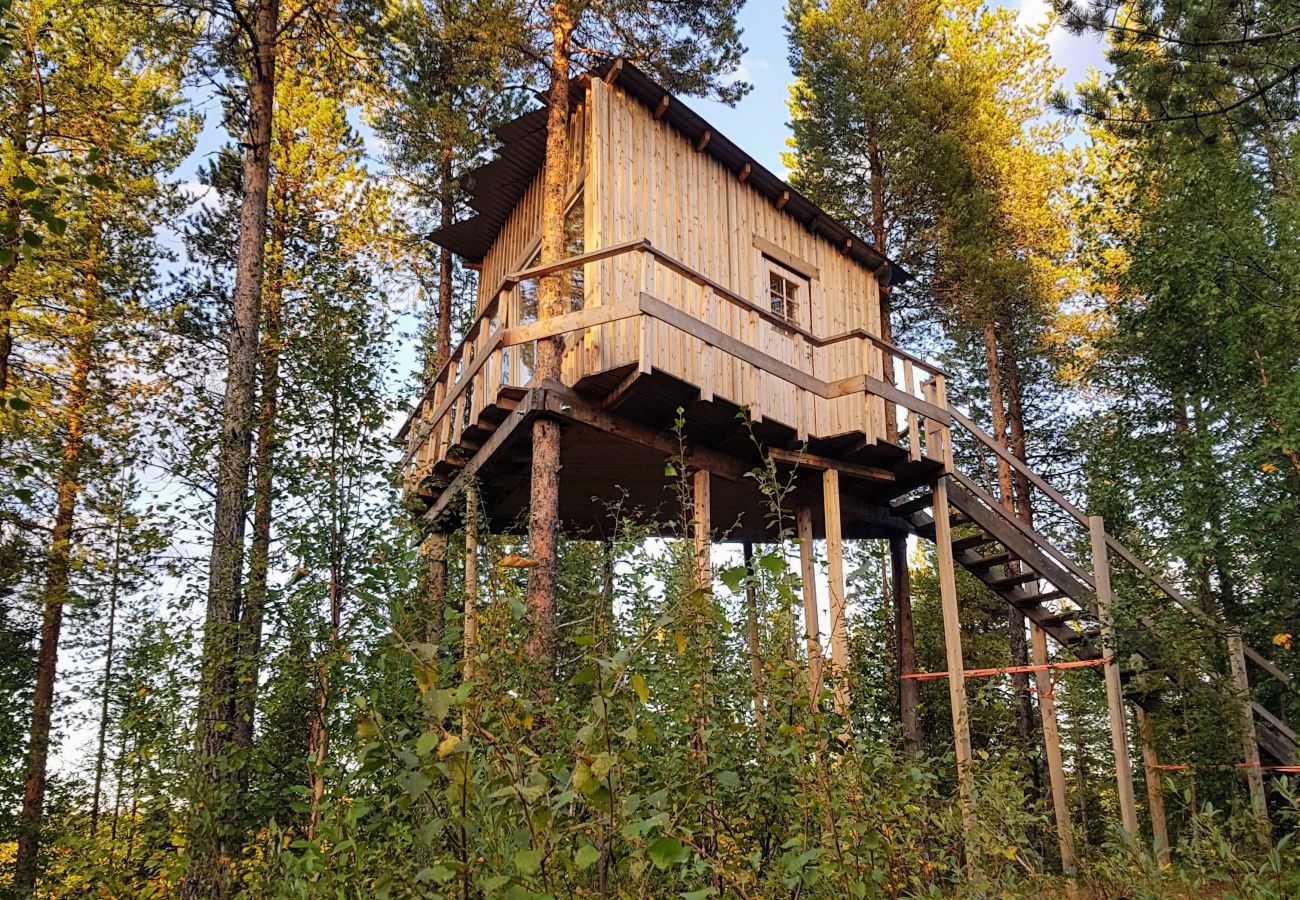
(652, 338)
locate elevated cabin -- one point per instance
(697, 280)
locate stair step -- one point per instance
(1035, 599)
(914, 505)
(1062, 618)
(988, 562)
(970, 543)
(1012, 580)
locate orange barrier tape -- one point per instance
(1013, 670)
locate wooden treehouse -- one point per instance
(699, 281)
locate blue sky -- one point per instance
(758, 122)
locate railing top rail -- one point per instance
(644, 245)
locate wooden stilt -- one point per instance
(803, 526)
(1114, 696)
(838, 601)
(1249, 742)
(701, 525)
(1052, 748)
(1155, 786)
(901, 585)
(470, 628)
(751, 616)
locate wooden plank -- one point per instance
(1114, 695)
(812, 631)
(581, 259)
(825, 463)
(837, 587)
(783, 256)
(574, 321)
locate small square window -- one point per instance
(785, 294)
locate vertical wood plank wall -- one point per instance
(643, 179)
(646, 180)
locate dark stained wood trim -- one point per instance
(808, 460)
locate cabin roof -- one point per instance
(496, 187)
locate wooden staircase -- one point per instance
(1056, 593)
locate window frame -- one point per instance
(802, 286)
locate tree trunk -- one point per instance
(751, 621)
(1018, 642)
(19, 136)
(880, 237)
(253, 609)
(113, 589)
(213, 832)
(544, 500)
(908, 695)
(435, 544)
(57, 575)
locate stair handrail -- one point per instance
(1200, 615)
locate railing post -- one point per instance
(1249, 741)
(1052, 746)
(936, 433)
(1114, 695)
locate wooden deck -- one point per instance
(630, 366)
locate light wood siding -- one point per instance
(518, 239)
(645, 180)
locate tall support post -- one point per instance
(1155, 787)
(470, 630)
(803, 527)
(936, 442)
(751, 616)
(1052, 746)
(838, 601)
(1114, 696)
(901, 586)
(701, 494)
(1249, 742)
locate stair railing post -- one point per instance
(1249, 740)
(1155, 786)
(1052, 746)
(936, 438)
(1114, 694)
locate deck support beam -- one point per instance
(1155, 787)
(1249, 741)
(812, 631)
(836, 585)
(1052, 747)
(1114, 694)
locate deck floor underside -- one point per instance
(612, 472)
